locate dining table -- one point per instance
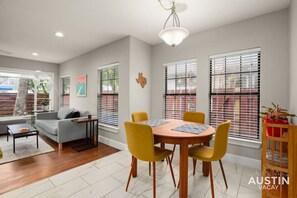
(164, 133)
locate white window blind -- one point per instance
(108, 95)
(235, 92)
(180, 88)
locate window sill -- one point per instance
(244, 143)
(109, 128)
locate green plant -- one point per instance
(45, 101)
(276, 113)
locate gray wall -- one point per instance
(117, 51)
(270, 32)
(140, 61)
(293, 58)
(19, 63)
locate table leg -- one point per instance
(13, 144)
(183, 169)
(205, 165)
(7, 134)
(37, 139)
(134, 166)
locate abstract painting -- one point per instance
(81, 85)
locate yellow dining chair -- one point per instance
(139, 116)
(192, 116)
(140, 140)
(209, 154)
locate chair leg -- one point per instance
(130, 174)
(211, 180)
(172, 152)
(223, 172)
(150, 167)
(194, 166)
(154, 179)
(171, 170)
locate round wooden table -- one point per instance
(165, 134)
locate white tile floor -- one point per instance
(107, 178)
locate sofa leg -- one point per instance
(60, 146)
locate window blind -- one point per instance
(108, 95)
(180, 88)
(65, 95)
(235, 93)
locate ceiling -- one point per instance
(29, 26)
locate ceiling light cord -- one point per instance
(164, 6)
(175, 19)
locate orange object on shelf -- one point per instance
(24, 129)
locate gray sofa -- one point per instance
(54, 126)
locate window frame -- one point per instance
(103, 125)
(33, 75)
(242, 86)
(184, 63)
(62, 94)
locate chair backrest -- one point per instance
(140, 140)
(139, 116)
(221, 140)
(192, 116)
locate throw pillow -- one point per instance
(63, 112)
(69, 115)
(76, 114)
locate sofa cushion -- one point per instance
(63, 111)
(69, 115)
(84, 113)
(50, 126)
(75, 114)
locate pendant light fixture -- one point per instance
(173, 35)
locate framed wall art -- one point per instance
(81, 85)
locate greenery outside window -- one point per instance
(108, 95)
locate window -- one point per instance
(180, 88)
(65, 91)
(108, 99)
(235, 92)
(21, 91)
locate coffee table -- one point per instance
(14, 130)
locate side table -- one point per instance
(91, 133)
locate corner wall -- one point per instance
(269, 32)
(117, 51)
(140, 61)
(293, 58)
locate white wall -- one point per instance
(293, 58)
(140, 61)
(19, 63)
(270, 32)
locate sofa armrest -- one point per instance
(47, 116)
(67, 128)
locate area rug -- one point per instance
(24, 147)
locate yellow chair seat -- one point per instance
(200, 152)
(161, 153)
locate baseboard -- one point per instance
(242, 161)
(236, 159)
(113, 143)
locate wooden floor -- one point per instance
(25, 171)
